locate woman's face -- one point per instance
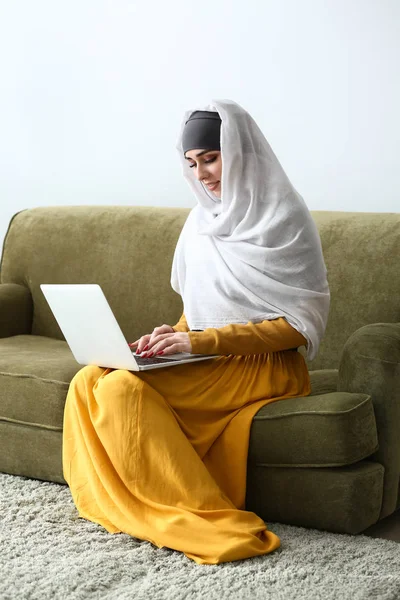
(207, 167)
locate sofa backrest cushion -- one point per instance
(128, 250)
(361, 253)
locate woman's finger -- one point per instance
(140, 343)
(159, 338)
(178, 341)
(163, 329)
(163, 342)
(173, 349)
(150, 338)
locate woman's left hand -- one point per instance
(169, 343)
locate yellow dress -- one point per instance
(161, 455)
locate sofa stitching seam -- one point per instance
(28, 424)
(316, 466)
(336, 413)
(30, 376)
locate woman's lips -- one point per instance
(212, 186)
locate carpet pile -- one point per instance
(47, 551)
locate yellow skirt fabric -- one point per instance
(161, 455)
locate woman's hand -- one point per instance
(163, 340)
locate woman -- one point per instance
(161, 455)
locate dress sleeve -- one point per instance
(181, 324)
(252, 338)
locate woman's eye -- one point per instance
(206, 161)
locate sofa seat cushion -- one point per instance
(323, 430)
(35, 373)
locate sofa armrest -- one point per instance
(370, 364)
(16, 310)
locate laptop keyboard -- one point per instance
(142, 360)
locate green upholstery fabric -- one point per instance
(356, 247)
(35, 373)
(127, 250)
(323, 381)
(15, 310)
(354, 401)
(316, 431)
(343, 499)
(36, 451)
(371, 364)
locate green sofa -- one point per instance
(330, 460)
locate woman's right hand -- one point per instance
(146, 340)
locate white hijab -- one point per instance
(255, 254)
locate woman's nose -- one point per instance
(201, 172)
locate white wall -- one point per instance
(92, 93)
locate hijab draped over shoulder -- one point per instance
(255, 254)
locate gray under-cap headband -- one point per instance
(202, 130)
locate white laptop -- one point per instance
(93, 334)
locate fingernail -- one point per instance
(145, 348)
(161, 352)
(151, 354)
